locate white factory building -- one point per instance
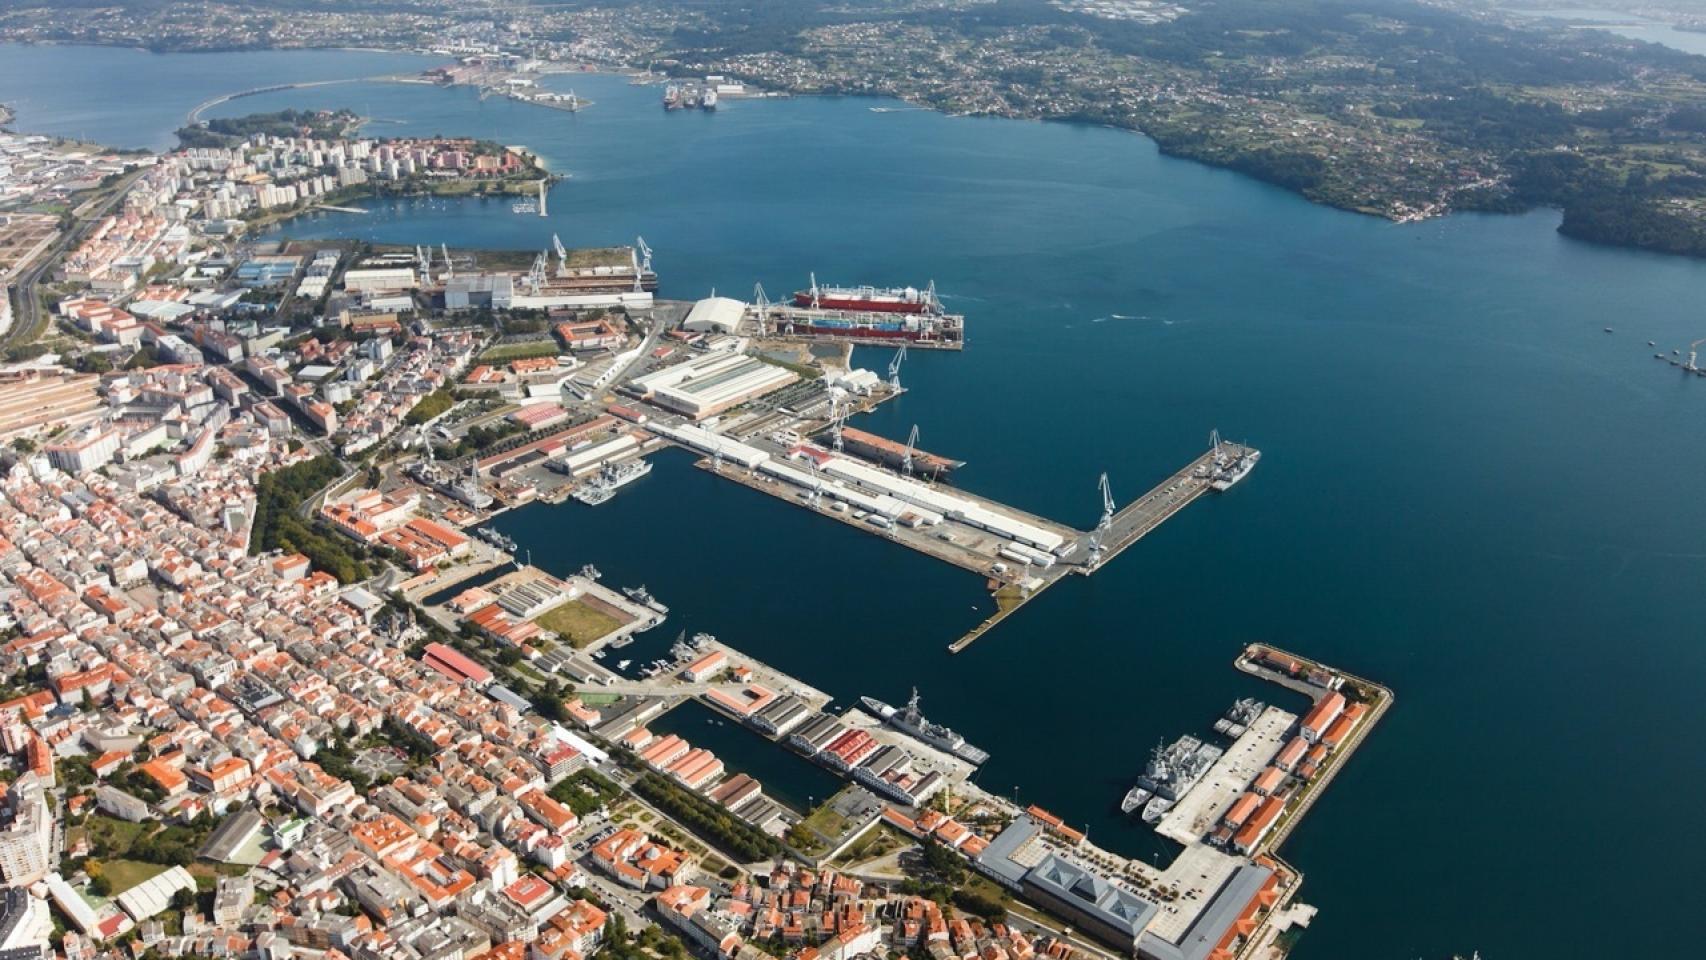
(707, 385)
(714, 315)
(380, 279)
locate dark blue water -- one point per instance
(1469, 491)
(788, 778)
(133, 98)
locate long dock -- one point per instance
(1134, 521)
(1130, 524)
(1021, 554)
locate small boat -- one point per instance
(623, 664)
(1651, 343)
(1607, 329)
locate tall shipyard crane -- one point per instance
(1103, 525)
(642, 258)
(894, 368)
(760, 306)
(837, 417)
(449, 268)
(1693, 351)
(562, 254)
(906, 458)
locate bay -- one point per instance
(1469, 491)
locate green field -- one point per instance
(124, 874)
(578, 623)
(505, 352)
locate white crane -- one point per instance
(449, 268)
(1693, 350)
(814, 291)
(817, 486)
(536, 276)
(562, 254)
(906, 458)
(894, 365)
(641, 256)
(424, 255)
(1103, 525)
(760, 306)
(542, 181)
(837, 417)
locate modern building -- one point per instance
(85, 449)
(708, 385)
(26, 833)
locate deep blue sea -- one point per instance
(1470, 491)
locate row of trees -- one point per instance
(707, 819)
(278, 495)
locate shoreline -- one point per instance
(770, 92)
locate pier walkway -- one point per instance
(1129, 525)
(1133, 522)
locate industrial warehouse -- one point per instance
(708, 385)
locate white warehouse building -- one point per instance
(708, 385)
(714, 315)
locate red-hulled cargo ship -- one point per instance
(869, 299)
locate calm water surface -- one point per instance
(1469, 491)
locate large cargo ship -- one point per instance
(911, 721)
(869, 299)
(849, 325)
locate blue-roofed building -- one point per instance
(1019, 860)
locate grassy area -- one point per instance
(112, 837)
(525, 350)
(434, 404)
(879, 841)
(826, 821)
(804, 371)
(124, 874)
(578, 623)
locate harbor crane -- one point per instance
(760, 307)
(894, 368)
(906, 458)
(424, 256)
(837, 417)
(816, 496)
(562, 254)
(642, 259)
(449, 267)
(536, 276)
(1693, 350)
(1103, 525)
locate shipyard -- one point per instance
(440, 390)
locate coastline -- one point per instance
(1235, 162)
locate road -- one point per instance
(28, 313)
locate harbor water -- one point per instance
(1470, 491)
